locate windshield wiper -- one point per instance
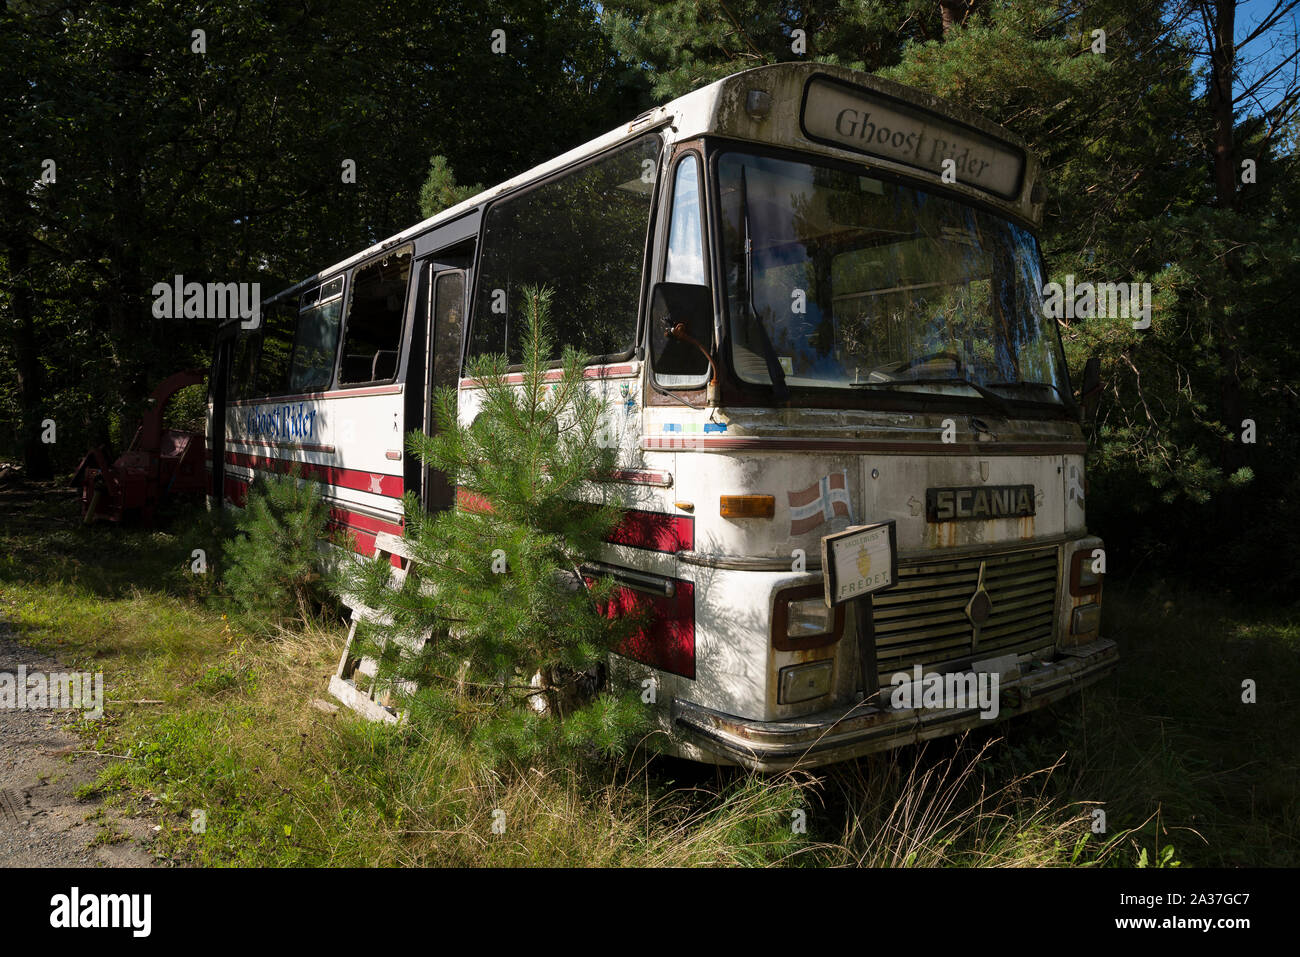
(780, 391)
(992, 398)
(1028, 385)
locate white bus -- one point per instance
(852, 272)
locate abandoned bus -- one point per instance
(853, 471)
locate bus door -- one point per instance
(218, 396)
(446, 333)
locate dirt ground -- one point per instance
(41, 766)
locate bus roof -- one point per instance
(780, 116)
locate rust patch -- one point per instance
(942, 534)
(808, 655)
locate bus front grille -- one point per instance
(922, 620)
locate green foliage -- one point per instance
(188, 409)
(756, 817)
(517, 625)
(226, 165)
(684, 44)
(1165, 859)
(605, 728)
(231, 675)
(274, 571)
(440, 191)
(1179, 761)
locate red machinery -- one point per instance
(159, 463)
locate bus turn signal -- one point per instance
(747, 506)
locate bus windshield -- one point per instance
(840, 280)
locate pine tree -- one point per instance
(441, 191)
(519, 628)
(275, 572)
(683, 44)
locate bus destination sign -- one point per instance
(855, 119)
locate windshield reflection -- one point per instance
(838, 280)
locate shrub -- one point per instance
(274, 570)
(519, 630)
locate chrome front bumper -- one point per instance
(862, 728)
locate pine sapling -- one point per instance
(520, 625)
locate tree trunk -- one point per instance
(1232, 409)
(31, 385)
(952, 12)
(1222, 64)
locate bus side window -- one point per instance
(679, 364)
(449, 310)
(583, 235)
(685, 235)
(372, 336)
(277, 344)
(317, 337)
(243, 366)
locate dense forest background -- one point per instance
(128, 156)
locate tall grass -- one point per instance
(1167, 750)
(913, 809)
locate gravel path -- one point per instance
(41, 823)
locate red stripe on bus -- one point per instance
(667, 642)
(236, 491)
(362, 522)
(654, 531)
(471, 501)
(362, 527)
(363, 541)
(390, 486)
(363, 530)
(287, 446)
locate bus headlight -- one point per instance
(800, 619)
(1086, 619)
(808, 618)
(1086, 572)
(804, 682)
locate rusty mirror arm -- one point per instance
(678, 331)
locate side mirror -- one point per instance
(1090, 392)
(681, 330)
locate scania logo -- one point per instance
(978, 503)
